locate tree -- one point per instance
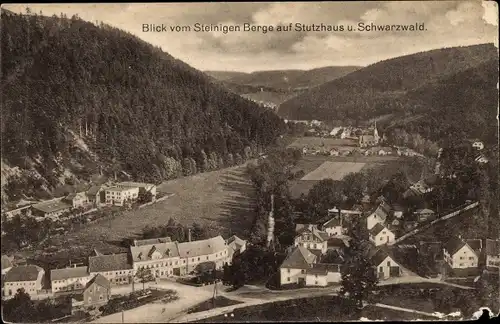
(359, 279)
(20, 308)
(145, 196)
(144, 275)
(197, 232)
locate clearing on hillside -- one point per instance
(333, 170)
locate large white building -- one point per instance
(69, 279)
(119, 195)
(28, 277)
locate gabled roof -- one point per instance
(23, 273)
(110, 262)
(382, 212)
(202, 247)
(492, 247)
(475, 244)
(152, 241)
(321, 235)
(235, 242)
(299, 258)
(99, 280)
(454, 244)
(94, 190)
(140, 253)
(301, 227)
(323, 269)
(334, 222)
(51, 206)
(68, 273)
(6, 263)
(377, 229)
(380, 255)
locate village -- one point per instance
(314, 260)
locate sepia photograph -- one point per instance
(216, 162)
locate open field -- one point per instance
(327, 143)
(309, 164)
(333, 170)
(221, 200)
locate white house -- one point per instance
(385, 265)
(378, 216)
(334, 226)
(69, 279)
(323, 274)
(459, 254)
(28, 277)
(481, 159)
(424, 214)
(478, 145)
(492, 248)
(293, 270)
(379, 235)
(77, 199)
(116, 268)
(312, 238)
(143, 187)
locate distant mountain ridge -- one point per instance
(369, 92)
(284, 79)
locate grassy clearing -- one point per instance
(333, 170)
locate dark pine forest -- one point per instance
(136, 108)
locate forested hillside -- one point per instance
(463, 105)
(80, 98)
(377, 89)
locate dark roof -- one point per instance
(299, 258)
(110, 262)
(67, 273)
(334, 222)
(377, 229)
(99, 280)
(51, 206)
(336, 242)
(236, 240)
(321, 235)
(453, 245)
(475, 244)
(152, 241)
(323, 268)
(380, 255)
(94, 190)
(6, 263)
(23, 273)
(202, 247)
(492, 247)
(299, 228)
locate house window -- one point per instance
(315, 276)
(303, 271)
(461, 258)
(100, 297)
(207, 257)
(381, 238)
(471, 258)
(388, 263)
(198, 258)
(461, 264)
(288, 270)
(288, 279)
(381, 269)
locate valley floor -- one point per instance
(221, 200)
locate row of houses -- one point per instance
(313, 242)
(95, 196)
(162, 257)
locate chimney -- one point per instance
(189, 235)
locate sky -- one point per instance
(447, 24)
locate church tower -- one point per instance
(376, 137)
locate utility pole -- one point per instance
(123, 315)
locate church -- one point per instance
(370, 140)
